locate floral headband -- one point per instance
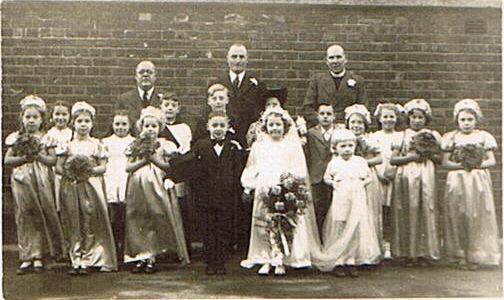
(420, 104)
(467, 104)
(358, 109)
(275, 110)
(151, 111)
(398, 108)
(83, 105)
(32, 100)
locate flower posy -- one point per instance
(27, 145)
(78, 168)
(426, 145)
(254, 81)
(470, 156)
(351, 82)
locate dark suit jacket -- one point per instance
(245, 104)
(323, 90)
(132, 102)
(318, 154)
(217, 178)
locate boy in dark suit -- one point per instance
(318, 154)
(217, 169)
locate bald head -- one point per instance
(145, 75)
(237, 58)
(335, 58)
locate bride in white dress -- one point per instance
(279, 150)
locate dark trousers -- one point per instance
(117, 212)
(186, 206)
(217, 229)
(243, 222)
(321, 193)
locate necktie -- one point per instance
(236, 82)
(145, 100)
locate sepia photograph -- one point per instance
(208, 149)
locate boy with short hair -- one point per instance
(217, 168)
(318, 155)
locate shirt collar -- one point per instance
(149, 92)
(232, 76)
(328, 130)
(338, 75)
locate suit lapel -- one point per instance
(245, 85)
(328, 85)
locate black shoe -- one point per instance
(24, 271)
(149, 268)
(83, 271)
(139, 268)
(74, 271)
(410, 262)
(210, 270)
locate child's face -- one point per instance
(32, 119)
(218, 101)
(345, 149)
(325, 115)
(61, 117)
(272, 102)
(83, 123)
(170, 109)
(356, 124)
(388, 119)
(417, 119)
(275, 127)
(218, 126)
(150, 127)
(466, 121)
(121, 125)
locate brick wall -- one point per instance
(88, 51)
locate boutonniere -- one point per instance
(351, 82)
(254, 81)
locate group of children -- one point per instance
(373, 196)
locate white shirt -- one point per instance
(326, 133)
(182, 133)
(338, 75)
(149, 93)
(233, 75)
(218, 149)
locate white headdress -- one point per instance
(32, 100)
(398, 108)
(277, 110)
(467, 104)
(358, 109)
(83, 105)
(420, 104)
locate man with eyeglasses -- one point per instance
(337, 86)
(145, 93)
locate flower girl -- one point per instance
(471, 232)
(280, 152)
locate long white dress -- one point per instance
(268, 159)
(349, 236)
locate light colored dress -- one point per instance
(414, 210)
(374, 189)
(471, 230)
(384, 141)
(116, 176)
(38, 228)
(153, 219)
(62, 137)
(349, 236)
(268, 159)
(84, 213)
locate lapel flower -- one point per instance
(254, 81)
(351, 82)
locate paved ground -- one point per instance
(190, 282)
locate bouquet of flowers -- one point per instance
(144, 146)
(27, 145)
(426, 145)
(364, 149)
(284, 203)
(78, 168)
(470, 156)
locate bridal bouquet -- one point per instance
(470, 156)
(144, 146)
(364, 149)
(284, 203)
(78, 168)
(426, 145)
(27, 145)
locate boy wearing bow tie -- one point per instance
(217, 169)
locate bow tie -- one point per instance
(217, 142)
